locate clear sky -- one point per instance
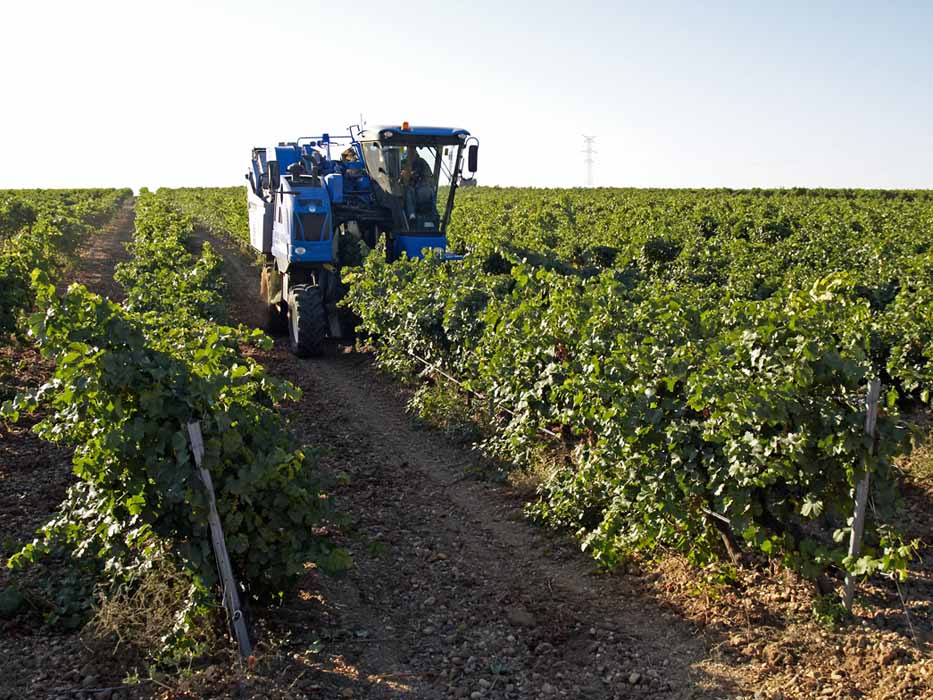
(740, 94)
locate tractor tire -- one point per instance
(307, 322)
(276, 313)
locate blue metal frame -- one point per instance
(290, 243)
(414, 244)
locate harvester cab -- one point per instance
(410, 167)
(307, 196)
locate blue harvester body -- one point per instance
(305, 196)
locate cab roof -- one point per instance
(435, 134)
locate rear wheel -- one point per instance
(270, 287)
(307, 322)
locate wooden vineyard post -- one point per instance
(861, 490)
(231, 598)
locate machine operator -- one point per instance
(417, 177)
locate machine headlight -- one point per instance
(300, 251)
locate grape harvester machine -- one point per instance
(312, 200)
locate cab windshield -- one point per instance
(412, 174)
(393, 166)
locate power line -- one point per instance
(588, 161)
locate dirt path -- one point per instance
(100, 253)
(452, 593)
